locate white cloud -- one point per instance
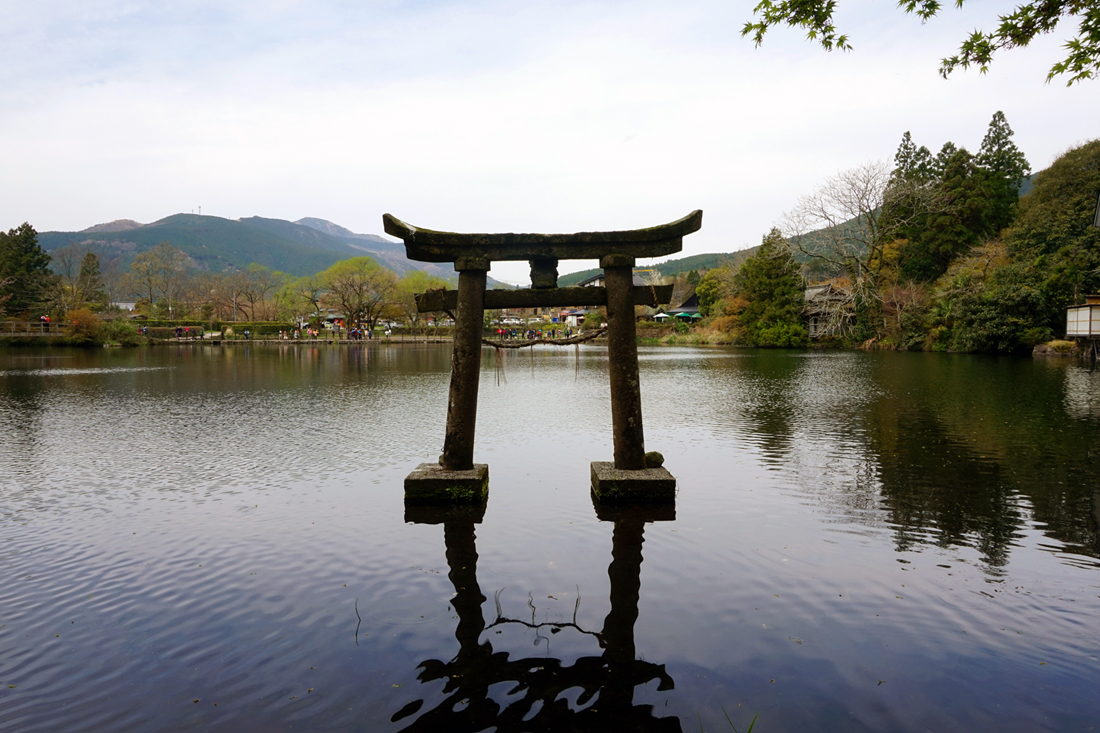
(482, 115)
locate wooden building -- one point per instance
(1083, 321)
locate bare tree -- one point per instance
(65, 263)
(225, 292)
(159, 274)
(309, 291)
(142, 280)
(4, 297)
(257, 283)
(849, 220)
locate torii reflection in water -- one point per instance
(541, 681)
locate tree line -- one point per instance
(936, 252)
(165, 283)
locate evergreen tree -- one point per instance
(1005, 167)
(905, 208)
(912, 163)
(771, 283)
(93, 291)
(712, 289)
(1053, 232)
(964, 217)
(24, 270)
(939, 163)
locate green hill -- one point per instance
(212, 242)
(299, 248)
(669, 268)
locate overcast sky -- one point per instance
(485, 115)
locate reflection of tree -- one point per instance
(539, 682)
(22, 407)
(937, 489)
(767, 403)
(960, 463)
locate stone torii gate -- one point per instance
(456, 478)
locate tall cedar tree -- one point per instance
(977, 198)
(771, 283)
(24, 271)
(965, 217)
(1006, 167)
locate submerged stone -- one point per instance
(430, 483)
(612, 485)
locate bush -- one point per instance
(119, 332)
(83, 324)
(781, 335)
(594, 319)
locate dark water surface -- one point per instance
(211, 538)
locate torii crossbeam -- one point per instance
(457, 478)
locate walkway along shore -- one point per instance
(311, 341)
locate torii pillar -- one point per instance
(456, 479)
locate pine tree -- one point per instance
(771, 283)
(24, 270)
(964, 217)
(1005, 166)
(911, 163)
(939, 164)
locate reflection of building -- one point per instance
(1082, 393)
(536, 700)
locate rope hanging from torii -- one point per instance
(580, 338)
(524, 343)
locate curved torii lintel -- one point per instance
(427, 245)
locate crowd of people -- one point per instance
(533, 333)
(359, 334)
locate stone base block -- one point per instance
(611, 486)
(430, 484)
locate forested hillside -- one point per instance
(937, 252)
(671, 268)
(215, 244)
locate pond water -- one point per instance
(207, 537)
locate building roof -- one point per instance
(590, 282)
(689, 306)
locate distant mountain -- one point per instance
(389, 253)
(335, 230)
(299, 248)
(118, 225)
(212, 242)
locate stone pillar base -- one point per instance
(610, 485)
(430, 484)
